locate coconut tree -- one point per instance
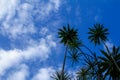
(69, 37)
(57, 76)
(108, 66)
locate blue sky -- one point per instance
(29, 47)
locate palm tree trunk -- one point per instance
(64, 61)
(111, 56)
(86, 55)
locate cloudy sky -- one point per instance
(29, 47)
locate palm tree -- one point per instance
(108, 66)
(69, 37)
(57, 76)
(98, 34)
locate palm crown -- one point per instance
(68, 35)
(98, 33)
(83, 74)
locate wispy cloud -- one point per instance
(20, 74)
(19, 20)
(44, 74)
(14, 57)
(9, 9)
(17, 16)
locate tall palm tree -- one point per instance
(108, 66)
(97, 35)
(57, 76)
(69, 37)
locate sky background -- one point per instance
(29, 44)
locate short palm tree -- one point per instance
(57, 76)
(83, 74)
(74, 56)
(69, 37)
(108, 66)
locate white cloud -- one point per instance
(20, 74)
(7, 7)
(41, 49)
(45, 10)
(44, 74)
(17, 17)
(17, 21)
(8, 58)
